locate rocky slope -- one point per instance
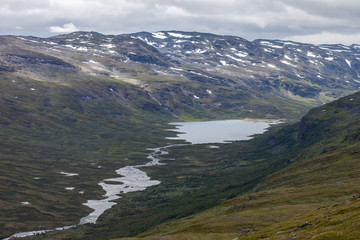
(190, 74)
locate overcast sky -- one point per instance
(315, 21)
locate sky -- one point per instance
(312, 21)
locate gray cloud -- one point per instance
(309, 20)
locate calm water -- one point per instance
(219, 131)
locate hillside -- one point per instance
(316, 197)
(76, 107)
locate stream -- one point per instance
(132, 179)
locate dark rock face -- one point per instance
(36, 61)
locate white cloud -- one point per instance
(173, 10)
(66, 28)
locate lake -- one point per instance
(219, 131)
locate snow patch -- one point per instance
(179, 35)
(310, 54)
(287, 57)
(25, 203)
(291, 43)
(287, 63)
(271, 65)
(348, 62)
(209, 91)
(147, 41)
(176, 69)
(213, 146)
(196, 97)
(329, 58)
(239, 53)
(70, 188)
(237, 59)
(269, 44)
(160, 35)
(108, 45)
(223, 63)
(69, 174)
(84, 49)
(197, 51)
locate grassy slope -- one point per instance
(59, 127)
(314, 198)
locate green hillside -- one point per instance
(316, 197)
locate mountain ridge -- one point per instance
(214, 73)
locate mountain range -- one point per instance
(183, 73)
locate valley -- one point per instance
(76, 107)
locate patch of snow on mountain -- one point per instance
(176, 69)
(209, 91)
(329, 58)
(271, 65)
(287, 57)
(237, 59)
(269, 44)
(310, 54)
(69, 174)
(348, 62)
(108, 45)
(147, 41)
(197, 51)
(51, 43)
(159, 35)
(223, 63)
(291, 43)
(239, 53)
(287, 63)
(84, 49)
(178, 35)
